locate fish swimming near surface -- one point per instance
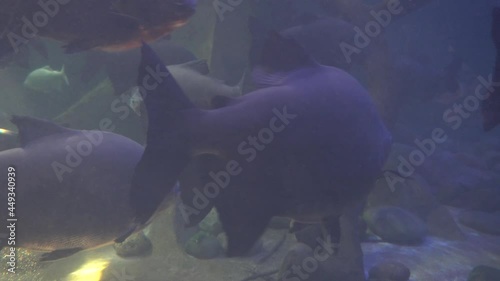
(46, 80)
(71, 188)
(108, 25)
(308, 146)
(490, 108)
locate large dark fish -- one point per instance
(490, 108)
(307, 146)
(108, 25)
(71, 188)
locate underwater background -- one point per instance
(433, 215)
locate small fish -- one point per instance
(46, 80)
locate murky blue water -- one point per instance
(407, 84)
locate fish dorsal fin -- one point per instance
(47, 67)
(31, 129)
(281, 54)
(200, 66)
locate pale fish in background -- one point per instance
(46, 80)
(194, 81)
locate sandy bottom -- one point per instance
(435, 260)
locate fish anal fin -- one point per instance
(59, 254)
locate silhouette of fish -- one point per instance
(108, 25)
(71, 189)
(307, 146)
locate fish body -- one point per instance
(46, 80)
(71, 187)
(108, 25)
(308, 145)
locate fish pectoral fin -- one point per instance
(59, 254)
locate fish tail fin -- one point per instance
(167, 150)
(64, 76)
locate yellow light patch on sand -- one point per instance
(90, 271)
